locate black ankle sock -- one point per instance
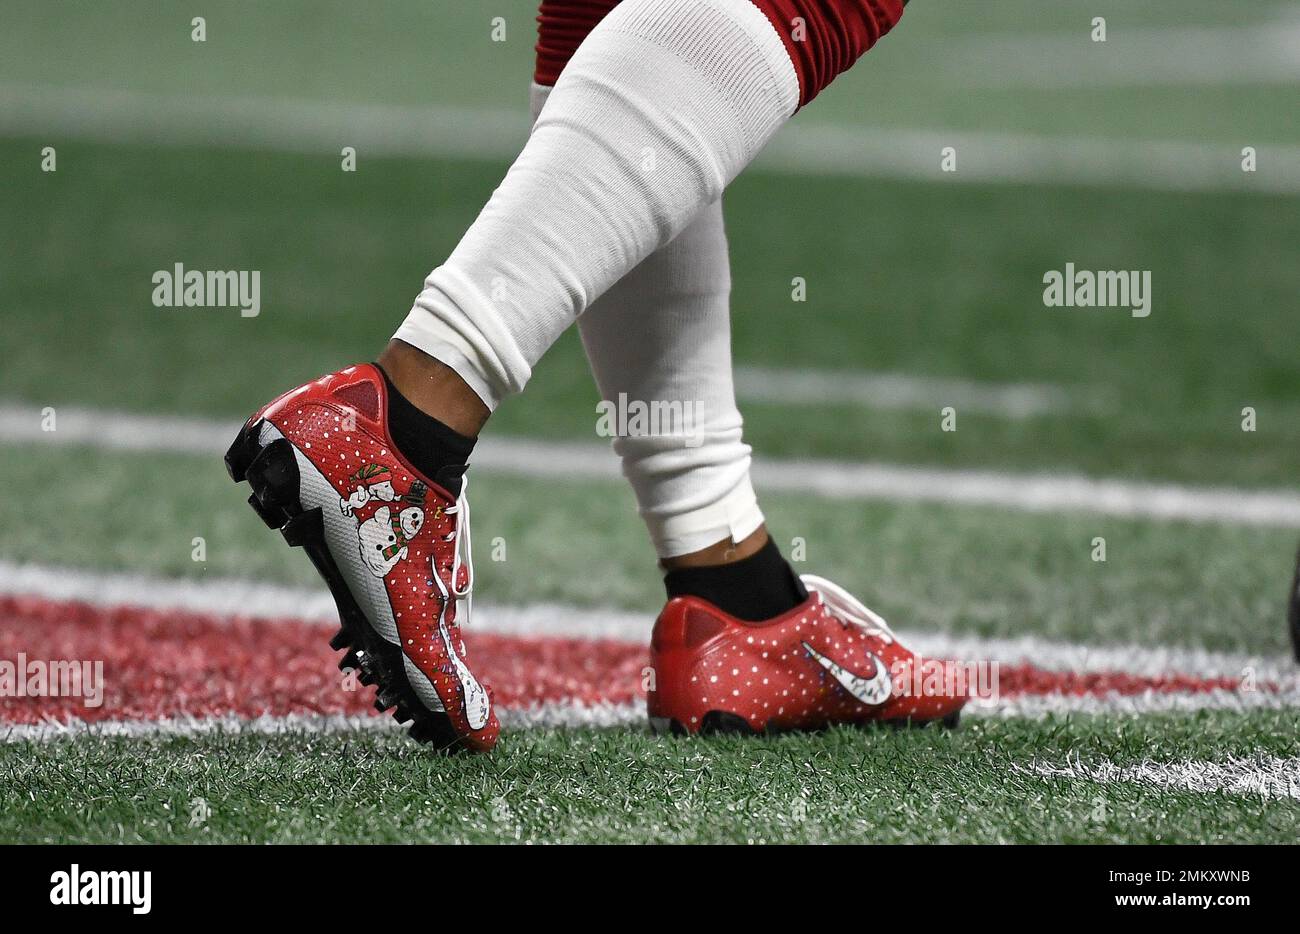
(753, 589)
(435, 450)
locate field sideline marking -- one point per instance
(901, 391)
(1264, 52)
(559, 714)
(235, 597)
(565, 714)
(829, 479)
(1267, 776)
(378, 130)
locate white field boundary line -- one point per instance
(547, 716)
(1184, 56)
(563, 715)
(808, 148)
(902, 392)
(1161, 165)
(1265, 776)
(1041, 706)
(567, 461)
(233, 597)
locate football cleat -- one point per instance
(392, 544)
(828, 661)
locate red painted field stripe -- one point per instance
(167, 664)
(160, 664)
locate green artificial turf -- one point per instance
(589, 786)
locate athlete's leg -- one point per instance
(663, 104)
(660, 335)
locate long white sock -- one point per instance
(663, 333)
(660, 108)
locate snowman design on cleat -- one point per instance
(372, 482)
(385, 537)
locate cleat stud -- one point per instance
(242, 452)
(371, 668)
(435, 730)
(273, 475)
(349, 661)
(340, 640)
(273, 518)
(720, 722)
(304, 528)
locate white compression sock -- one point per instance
(660, 108)
(663, 333)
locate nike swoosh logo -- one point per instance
(872, 691)
(477, 706)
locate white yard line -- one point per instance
(1170, 56)
(1040, 706)
(195, 726)
(229, 597)
(568, 715)
(1266, 776)
(828, 479)
(1167, 165)
(1132, 659)
(543, 716)
(900, 391)
(281, 124)
(810, 148)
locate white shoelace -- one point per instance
(463, 556)
(839, 602)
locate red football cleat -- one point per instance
(829, 660)
(393, 546)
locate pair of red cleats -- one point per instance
(393, 546)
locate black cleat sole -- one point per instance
(272, 474)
